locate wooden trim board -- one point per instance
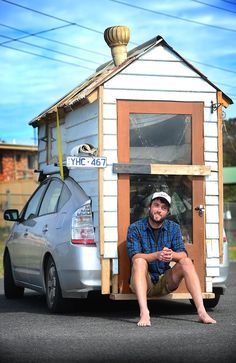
(171, 296)
(168, 169)
(220, 174)
(105, 263)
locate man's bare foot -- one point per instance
(206, 319)
(144, 319)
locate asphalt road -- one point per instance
(105, 331)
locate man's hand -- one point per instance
(165, 255)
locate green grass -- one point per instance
(232, 253)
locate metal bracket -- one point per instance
(215, 106)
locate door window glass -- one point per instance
(160, 138)
(50, 200)
(178, 187)
(33, 205)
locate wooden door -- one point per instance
(160, 147)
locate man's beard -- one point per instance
(159, 222)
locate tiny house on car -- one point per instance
(150, 121)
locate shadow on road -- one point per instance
(101, 306)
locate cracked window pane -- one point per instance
(160, 138)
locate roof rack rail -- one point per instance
(50, 170)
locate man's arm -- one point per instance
(166, 255)
(176, 256)
(149, 257)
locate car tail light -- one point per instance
(224, 236)
(82, 229)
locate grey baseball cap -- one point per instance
(162, 195)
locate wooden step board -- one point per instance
(172, 296)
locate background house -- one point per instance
(17, 178)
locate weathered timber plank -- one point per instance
(220, 173)
(131, 168)
(126, 168)
(171, 296)
(105, 274)
(200, 170)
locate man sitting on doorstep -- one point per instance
(152, 243)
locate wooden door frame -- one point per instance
(124, 108)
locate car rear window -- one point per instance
(65, 196)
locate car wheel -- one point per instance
(55, 302)
(11, 290)
(209, 303)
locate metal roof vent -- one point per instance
(117, 38)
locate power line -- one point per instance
(172, 16)
(44, 56)
(48, 49)
(223, 84)
(30, 34)
(52, 16)
(55, 17)
(211, 66)
(48, 39)
(95, 52)
(214, 6)
(229, 2)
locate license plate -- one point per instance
(86, 162)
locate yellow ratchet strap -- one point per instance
(59, 146)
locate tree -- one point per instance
(229, 142)
(229, 155)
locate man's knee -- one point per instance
(140, 264)
(139, 269)
(186, 263)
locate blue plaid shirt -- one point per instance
(141, 239)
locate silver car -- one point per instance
(219, 282)
(51, 247)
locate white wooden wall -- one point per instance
(81, 127)
(78, 127)
(161, 75)
(42, 154)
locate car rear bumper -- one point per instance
(79, 270)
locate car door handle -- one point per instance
(26, 233)
(45, 228)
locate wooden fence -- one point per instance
(14, 194)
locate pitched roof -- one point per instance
(108, 70)
(5, 146)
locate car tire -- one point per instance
(209, 303)
(11, 290)
(54, 299)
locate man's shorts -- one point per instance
(158, 289)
